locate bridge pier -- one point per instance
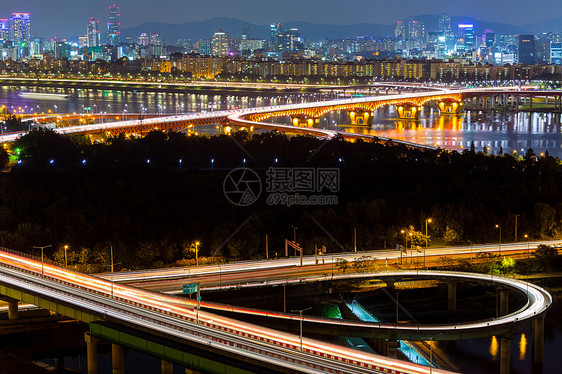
(92, 352)
(361, 117)
(449, 107)
(504, 302)
(117, 359)
(407, 111)
(167, 367)
(505, 345)
(452, 297)
(304, 121)
(13, 312)
(538, 340)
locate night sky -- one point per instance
(69, 17)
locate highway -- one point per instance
(288, 272)
(291, 265)
(173, 316)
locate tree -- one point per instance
(546, 256)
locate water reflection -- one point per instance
(522, 347)
(509, 132)
(494, 347)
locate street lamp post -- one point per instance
(428, 220)
(527, 238)
(197, 253)
(500, 242)
(405, 245)
(300, 317)
(65, 258)
(42, 257)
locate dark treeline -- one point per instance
(137, 197)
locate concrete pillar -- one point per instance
(191, 371)
(92, 353)
(452, 297)
(538, 340)
(504, 302)
(167, 367)
(392, 348)
(117, 359)
(13, 312)
(504, 355)
(361, 117)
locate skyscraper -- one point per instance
(20, 29)
(275, 29)
(94, 36)
(416, 30)
(114, 25)
(4, 30)
(526, 49)
(220, 43)
(400, 30)
(445, 24)
(467, 37)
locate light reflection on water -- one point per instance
(508, 131)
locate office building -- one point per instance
(94, 36)
(219, 44)
(556, 53)
(526, 49)
(114, 25)
(275, 30)
(445, 24)
(400, 30)
(20, 29)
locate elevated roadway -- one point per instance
(68, 292)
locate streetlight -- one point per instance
(42, 257)
(405, 245)
(65, 258)
(500, 243)
(428, 220)
(300, 316)
(527, 237)
(197, 253)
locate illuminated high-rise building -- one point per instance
(445, 24)
(467, 37)
(275, 29)
(220, 43)
(400, 30)
(94, 36)
(20, 29)
(4, 30)
(556, 53)
(416, 30)
(526, 49)
(114, 25)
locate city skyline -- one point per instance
(67, 20)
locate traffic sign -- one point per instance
(189, 288)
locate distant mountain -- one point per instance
(550, 25)
(203, 30)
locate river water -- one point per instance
(497, 130)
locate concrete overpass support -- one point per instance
(361, 117)
(117, 359)
(406, 111)
(13, 312)
(450, 107)
(504, 302)
(538, 340)
(304, 121)
(167, 367)
(92, 353)
(505, 345)
(452, 297)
